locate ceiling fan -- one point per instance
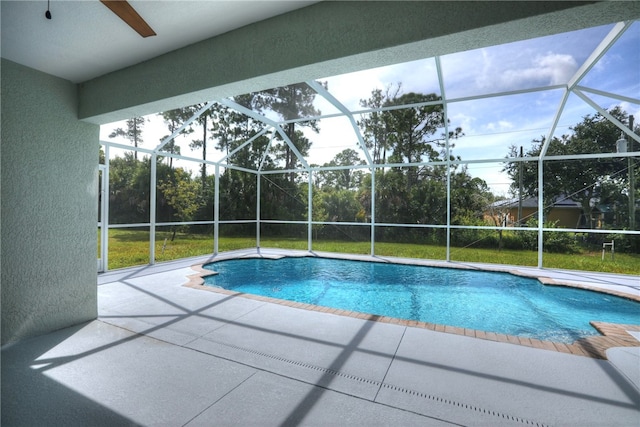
(128, 14)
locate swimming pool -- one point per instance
(486, 301)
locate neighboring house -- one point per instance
(566, 213)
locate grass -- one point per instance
(131, 247)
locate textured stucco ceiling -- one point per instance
(84, 39)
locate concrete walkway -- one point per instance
(167, 355)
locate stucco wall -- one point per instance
(567, 218)
(49, 210)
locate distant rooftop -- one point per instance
(532, 202)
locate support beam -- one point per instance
(447, 153)
(244, 144)
(608, 94)
(105, 211)
(607, 115)
(266, 152)
(599, 52)
(333, 101)
(310, 212)
(373, 211)
(262, 119)
(153, 194)
(188, 122)
(543, 153)
(258, 191)
(329, 38)
(216, 212)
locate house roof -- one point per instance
(532, 202)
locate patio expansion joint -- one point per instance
(296, 363)
(379, 384)
(395, 353)
(219, 399)
(460, 405)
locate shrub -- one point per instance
(554, 242)
(624, 243)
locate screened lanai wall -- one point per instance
(497, 122)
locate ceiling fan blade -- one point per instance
(129, 15)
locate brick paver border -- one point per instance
(613, 335)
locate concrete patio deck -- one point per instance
(163, 354)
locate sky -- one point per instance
(490, 124)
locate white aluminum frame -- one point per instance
(271, 126)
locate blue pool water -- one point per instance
(487, 301)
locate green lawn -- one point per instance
(131, 247)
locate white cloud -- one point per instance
(463, 120)
(416, 76)
(499, 126)
(335, 135)
(558, 68)
(632, 109)
(549, 69)
(350, 88)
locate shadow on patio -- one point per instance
(164, 354)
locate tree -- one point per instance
(203, 120)
(290, 103)
(470, 197)
(133, 132)
(373, 125)
(407, 132)
(174, 119)
(409, 128)
(392, 199)
(346, 179)
(128, 195)
(582, 181)
(335, 205)
(181, 193)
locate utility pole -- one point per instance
(520, 185)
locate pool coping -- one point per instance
(613, 335)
